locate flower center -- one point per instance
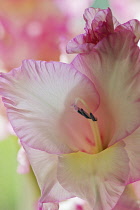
(93, 124)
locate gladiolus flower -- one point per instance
(79, 122)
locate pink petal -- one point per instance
(132, 25)
(99, 178)
(48, 206)
(136, 188)
(101, 18)
(44, 166)
(79, 45)
(132, 147)
(115, 72)
(99, 15)
(39, 97)
(89, 15)
(128, 200)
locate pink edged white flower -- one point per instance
(79, 122)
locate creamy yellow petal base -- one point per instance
(98, 178)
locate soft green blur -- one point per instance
(17, 192)
(103, 4)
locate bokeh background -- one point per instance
(38, 29)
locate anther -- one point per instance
(85, 114)
(92, 117)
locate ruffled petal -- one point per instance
(79, 45)
(132, 147)
(102, 23)
(39, 97)
(99, 178)
(99, 24)
(114, 67)
(99, 15)
(89, 15)
(44, 166)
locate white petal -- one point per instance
(38, 98)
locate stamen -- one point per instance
(93, 124)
